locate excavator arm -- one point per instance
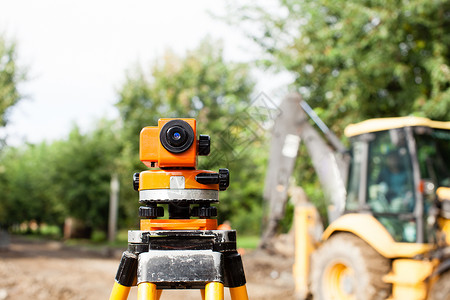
(330, 162)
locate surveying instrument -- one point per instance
(179, 252)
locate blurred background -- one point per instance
(79, 79)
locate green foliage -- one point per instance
(14, 188)
(98, 236)
(248, 241)
(26, 175)
(83, 166)
(355, 60)
(49, 182)
(10, 77)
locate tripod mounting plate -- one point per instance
(216, 248)
(180, 268)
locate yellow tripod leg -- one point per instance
(119, 292)
(148, 291)
(214, 291)
(239, 293)
(202, 292)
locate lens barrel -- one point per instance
(177, 136)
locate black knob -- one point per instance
(204, 145)
(207, 178)
(136, 181)
(151, 212)
(224, 179)
(204, 211)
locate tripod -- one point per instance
(179, 252)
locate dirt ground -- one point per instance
(49, 270)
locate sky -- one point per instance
(77, 54)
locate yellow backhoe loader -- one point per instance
(389, 215)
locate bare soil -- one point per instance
(50, 270)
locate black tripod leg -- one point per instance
(235, 276)
(125, 277)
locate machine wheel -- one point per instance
(441, 288)
(346, 267)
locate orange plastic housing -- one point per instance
(160, 179)
(152, 151)
(178, 224)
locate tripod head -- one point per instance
(173, 147)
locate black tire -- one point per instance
(346, 267)
(441, 288)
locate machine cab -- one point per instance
(397, 165)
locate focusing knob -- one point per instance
(136, 181)
(204, 145)
(224, 179)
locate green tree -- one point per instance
(354, 60)
(10, 77)
(201, 85)
(26, 184)
(83, 166)
(68, 178)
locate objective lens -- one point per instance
(177, 136)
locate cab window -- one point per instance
(390, 184)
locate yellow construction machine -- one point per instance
(389, 215)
